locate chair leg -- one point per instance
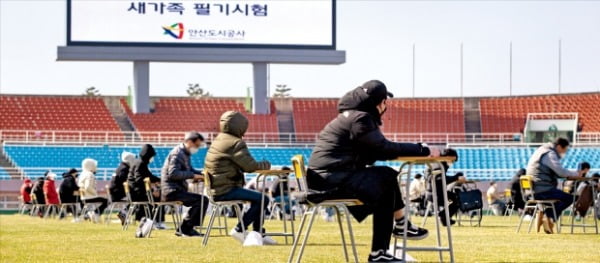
(297, 237)
(210, 224)
(351, 233)
(310, 223)
(339, 219)
(534, 217)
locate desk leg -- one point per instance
(448, 226)
(406, 205)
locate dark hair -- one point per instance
(418, 176)
(193, 136)
(521, 171)
(563, 142)
(459, 174)
(492, 182)
(285, 168)
(584, 165)
(449, 152)
(596, 175)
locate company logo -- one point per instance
(174, 30)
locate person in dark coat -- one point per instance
(38, 189)
(453, 203)
(137, 173)
(116, 190)
(342, 164)
(68, 188)
(515, 190)
(176, 169)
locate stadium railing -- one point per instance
(112, 137)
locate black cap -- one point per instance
(377, 90)
(72, 171)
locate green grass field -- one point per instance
(24, 238)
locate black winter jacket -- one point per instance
(353, 140)
(116, 183)
(67, 188)
(139, 171)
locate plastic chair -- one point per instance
(340, 207)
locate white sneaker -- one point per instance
(267, 240)
(253, 239)
(239, 236)
(527, 218)
(76, 220)
(93, 216)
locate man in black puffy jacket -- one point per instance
(137, 173)
(342, 160)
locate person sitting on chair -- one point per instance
(453, 203)
(68, 188)
(226, 161)
(25, 191)
(342, 163)
(137, 173)
(495, 199)
(87, 184)
(417, 193)
(49, 189)
(176, 169)
(545, 168)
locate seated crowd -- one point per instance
(342, 164)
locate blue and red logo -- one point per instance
(174, 30)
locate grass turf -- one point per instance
(24, 238)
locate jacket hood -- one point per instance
(89, 165)
(365, 98)
(127, 157)
(234, 123)
(51, 176)
(147, 152)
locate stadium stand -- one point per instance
(184, 114)
(311, 115)
(4, 174)
(55, 113)
(509, 114)
(498, 163)
(424, 115)
(403, 115)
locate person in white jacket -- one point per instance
(87, 186)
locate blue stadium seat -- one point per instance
(478, 163)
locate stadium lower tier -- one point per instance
(498, 163)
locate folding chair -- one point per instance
(112, 206)
(572, 211)
(510, 206)
(88, 206)
(51, 209)
(23, 206)
(36, 207)
(174, 206)
(133, 206)
(217, 209)
(64, 209)
(340, 207)
(526, 182)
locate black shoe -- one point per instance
(382, 256)
(443, 220)
(189, 233)
(121, 217)
(412, 233)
